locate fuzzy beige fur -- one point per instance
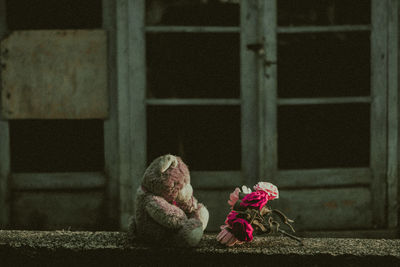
(167, 213)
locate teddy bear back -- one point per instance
(165, 176)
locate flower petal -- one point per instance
(221, 235)
(246, 190)
(233, 197)
(226, 238)
(232, 241)
(255, 200)
(269, 188)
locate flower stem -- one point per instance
(291, 236)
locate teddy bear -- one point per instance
(166, 212)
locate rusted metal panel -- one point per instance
(54, 74)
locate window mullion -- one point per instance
(268, 92)
(249, 83)
(4, 143)
(379, 9)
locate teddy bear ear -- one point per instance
(168, 161)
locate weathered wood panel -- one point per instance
(57, 210)
(379, 83)
(192, 101)
(322, 29)
(125, 187)
(327, 209)
(393, 114)
(318, 209)
(54, 181)
(249, 87)
(4, 141)
(216, 179)
(268, 92)
(131, 79)
(54, 74)
(137, 106)
(323, 177)
(192, 29)
(4, 173)
(216, 203)
(324, 100)
(111, 149)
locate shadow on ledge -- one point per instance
(65, 248)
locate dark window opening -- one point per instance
(324, 65)
(56, 145)
(193, 65)
(51, 14)
(192, 12)
(207, 138)
(323, 12)
(323, 136)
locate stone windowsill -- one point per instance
(37, 248)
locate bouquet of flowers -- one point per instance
(250, 215)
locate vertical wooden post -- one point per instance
(249, 86)
(131, 80)
(268, 93)
(393, 114)
(125, 186)
(379, 83)
(4, 141)
(111, 124)
(137, 97)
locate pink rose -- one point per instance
(241, 229)
(256, 199)
(269, 188)
(234, 196)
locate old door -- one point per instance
(291, 92)
(201, 94)
(323, 110)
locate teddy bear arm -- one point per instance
(200, 213)
(165, 213)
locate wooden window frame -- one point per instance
(132, 102)
(5, 165)
(393, 127)
(10, 182)
(125, 135)
(382, 174)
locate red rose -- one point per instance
(256, 199)
(231, 216)
(241, 229)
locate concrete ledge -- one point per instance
(65, 248)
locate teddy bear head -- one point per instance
(168, 176)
